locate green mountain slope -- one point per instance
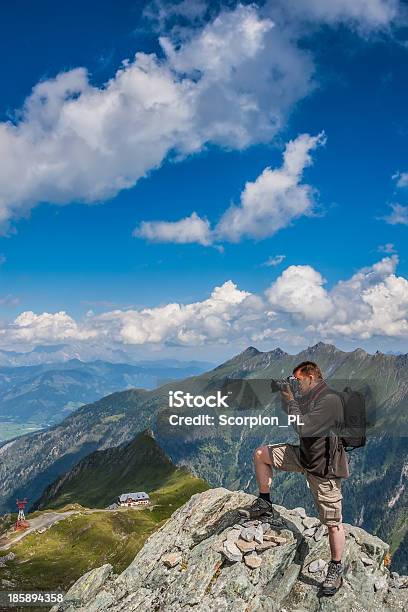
(99, 478)
(56, 557)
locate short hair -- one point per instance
(309, 368)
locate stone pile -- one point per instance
(245, 542)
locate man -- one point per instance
(320, 457)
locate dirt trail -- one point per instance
(45, 520)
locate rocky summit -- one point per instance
(207, 558)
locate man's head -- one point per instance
(308, 374)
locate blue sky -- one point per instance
(75, 256)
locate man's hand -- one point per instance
(287, 394)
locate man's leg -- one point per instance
(266, 458)
(263, 471)
(327, 496)
(337, 540)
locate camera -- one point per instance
(281, 383)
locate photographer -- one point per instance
(320, 456)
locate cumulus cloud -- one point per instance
(397, 216)
(212, 320)
(297, 307)
(372, 303)
(271, 202)
(189, 229)
(299, 291)
(231, 83)
(230, 79)
(276, 198)
(29, 329)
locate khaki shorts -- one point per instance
(326, 491)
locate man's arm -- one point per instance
(322, 420)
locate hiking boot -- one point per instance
(333, 580)
(259, 507)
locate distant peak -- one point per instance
(278, 352)
(251, 351)
(360, 351)
(322, 345)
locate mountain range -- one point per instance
(375, 495)
(86, 351)
(44, 394)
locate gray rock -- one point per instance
(248, 533)
(9, 557)
(86, 587)
(300, 512)
(265, 527)
(320, 532)
(381, 583)
(309, 533)
(367, 560)
(393, 575)
(206, 582)
(317, 566)
(231, 551)
(259, 535)
(233, 535)
(310, 521)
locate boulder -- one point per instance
(271, 579)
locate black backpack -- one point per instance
(353, 430)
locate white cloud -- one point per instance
(276, 198)
(232, 83)
(296, 308)
(398, 215)
(299, 291)
(387, 248)
(374, 302)
(29, 329)
(192, 324)
(274, 260)
(271, 202)
(366, 15)
(189, 229)
(401, 179)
